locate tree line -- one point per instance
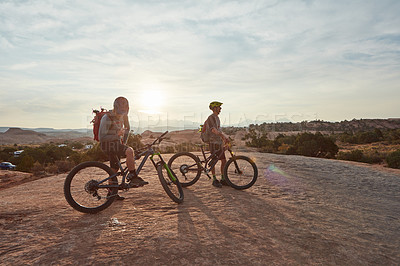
(354, 125)
(324, 146)
(50, 158)
(307, 144)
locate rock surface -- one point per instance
(300, 211)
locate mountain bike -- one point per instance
(240, 172)
(91, 187)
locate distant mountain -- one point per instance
(52, 130)
(48, 130)
(13, 131)
(3, 129)
(21, 136)
(27, 136)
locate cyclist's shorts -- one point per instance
(219, 149)
(115, 150)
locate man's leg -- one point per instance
(223, 163)
(130, 159)
(213, 150)
(213, 170)
(109, 149)
(117, 197)
(114, 168)
(135, 181)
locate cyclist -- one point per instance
(113, 134)
(218, 140)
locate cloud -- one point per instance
(258, 56)
(23, 66)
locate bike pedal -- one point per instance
(134, 186)
(124, 186)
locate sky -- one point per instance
(265, 60)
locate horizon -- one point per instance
(180, 125)
(297, 60)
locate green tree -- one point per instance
(257, 139)
(76, 145)
(314, 145)
(135, 141)
(355, 155)
(26, 163)
(393, 159)
(96, 154)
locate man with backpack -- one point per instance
(113, 135)
(216, 139)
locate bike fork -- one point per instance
(171, 176)
(234, 162)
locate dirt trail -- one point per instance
(300, 211)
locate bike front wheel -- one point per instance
(240, 172)
(186, 166)
(82, 191)
(170, 183)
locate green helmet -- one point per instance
(215, 104)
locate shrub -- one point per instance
(372, 158)
(307, 144)
(268, 147)
(26, 164)
(37, 169)
(355, 156)
(314, 145)
(393, 159)
(169, 149)
(77, 158)
(186, 146)
(51, 169)
(362, 137)
(256, 139)
(360, 156)
(283, 148)
(76, 145)
(96, 154)
(135, 141)
(64, 166)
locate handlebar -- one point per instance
(138, 152)
(159, 139)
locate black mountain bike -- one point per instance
(240, 172)
(91, 187)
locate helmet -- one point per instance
(214, 104)
(121, 106)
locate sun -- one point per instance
(151, 101)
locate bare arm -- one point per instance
(127, 128)
(219, 133)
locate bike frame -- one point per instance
(123, 170)
(165, 165)
(211, 157)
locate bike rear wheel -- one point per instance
(170, 183)
(240, 172)
(82, 191)
(187, 168)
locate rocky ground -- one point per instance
(300, 211)
(10, 178)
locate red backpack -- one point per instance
(96, 122)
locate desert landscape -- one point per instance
(300, 211)
(307, 89)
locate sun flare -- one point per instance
(151, 101)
